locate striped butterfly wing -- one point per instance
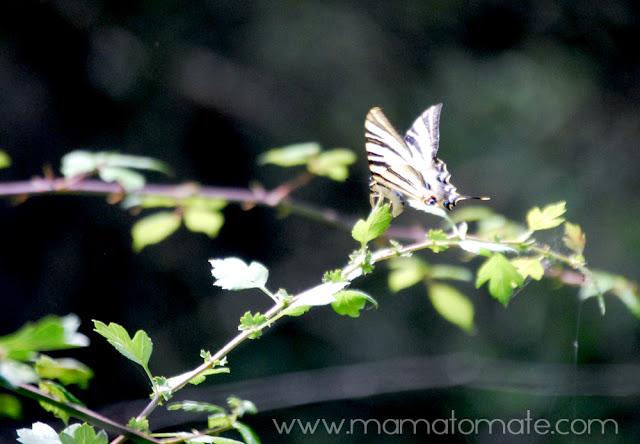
(393, 164)
(408, 168)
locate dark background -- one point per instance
(541, 104)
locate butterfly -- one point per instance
(408, 169)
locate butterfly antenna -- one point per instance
(474, 197)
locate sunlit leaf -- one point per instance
(549, 217)
(250, 321)
(478, 247)
(333, 163)
(439, 239)
(46, 334)
(322, 294)
(15, 373)
(204, 221)
(452, 305)
(574, 238)
(351, 302)
(529, 266)
(138, 349)
(502, 276)
(66, 370)
(82, 434)
(5, 159)
(196, 407)
(141, 424)
(154, 228)
(405, 273)
(291, 155)
(128, 179)
(234, 274)
(374, 226)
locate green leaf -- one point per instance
(574, 238)
(221, 440)
(333, 164)
(82, 434)
(406, 272)
(5, 159)
(162, 387)
(291, 155)
(247, 433)
(128, 179)
(59, 393)
(234, 274)
(529, 266)
(333, 276)
(46, 334)
(66, 370)
(197, 380)
(201, 220)
(153, 229)
(86, 162)
(450, 272)
(10, 406)
(241, 407)
(39, 433)
(138, 349)
(549, 217)
(139, 424)
(452, 305)
(296, 311)
(439, 238)
(374, 226)
(250, 322)
(351, 302)
(502, 276)
(195, 407)
(219, 421)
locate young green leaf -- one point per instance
(351, 302)
(452, 305)
(139, 424)
(10, 406)
(439, 239)
(195, 407)
(502, 276)
(47, 334)
(247, 433)
(291, 155)
(332, 164)
(201, 220)
(59, 393)
(234, 274)
(39, 433)
(549, 217)
(574, 238)
(251, 322)
(241, 407)
(5, 159)
(374, 226)
(405, 273)
(529, 266)
(66, 370)
(138, 349)
(333, 276)
(82, 434)
(162, 387)
(296, 311)
(154, 228)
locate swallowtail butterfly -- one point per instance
(408, 169)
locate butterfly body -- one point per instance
(407, 169)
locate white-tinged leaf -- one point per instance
(78, 162)
(322, 294)
(128, 179)
(549, 217)
(16, 373)
(233, 273)
(39, 433)
(475, 247)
